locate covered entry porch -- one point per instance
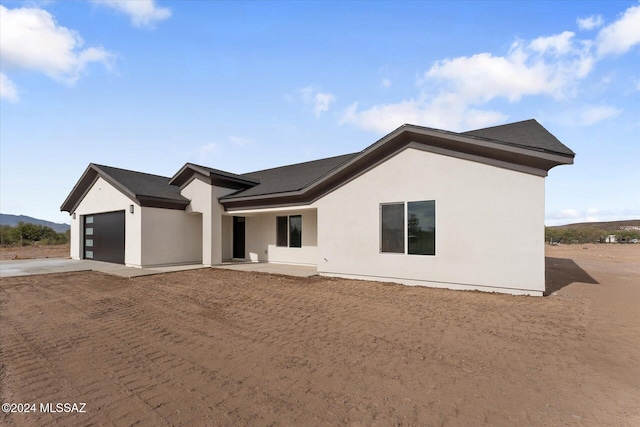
(279, 236)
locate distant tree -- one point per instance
(26, 233)
(575, 234)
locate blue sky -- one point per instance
(241, 86)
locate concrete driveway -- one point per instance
(26, 267)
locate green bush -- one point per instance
(26, 233)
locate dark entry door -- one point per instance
(104, 237)
(238, 237)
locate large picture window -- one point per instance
(289, 231)
(408, 228)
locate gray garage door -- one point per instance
(104, 237)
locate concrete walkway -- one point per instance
(265, 267)
(25, 267)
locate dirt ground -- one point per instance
(34, 251)
(218, 347)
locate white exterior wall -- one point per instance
(260, 243)
(102, 197)
(171, 236)
(489, 225)
(227, 235)
(204, 200)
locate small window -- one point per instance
(281, 232)
(88, 254)
(289, 231)
(392, 223)
(295, 231)
(88, 219)
(88, 231)
(88, 242)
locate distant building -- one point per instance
(611, 239)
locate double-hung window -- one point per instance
(289, 231)
(408, 228)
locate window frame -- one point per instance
(405, 229)
(290, 243)
(282, 243)
(404, 225)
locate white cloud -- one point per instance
(240, 141)
(590, 23)
(597, 113)
(525, 70)
(440, 113)
(319, 100)
(560, 44)
(386, 83)
(622, 35)
(205, 151)
(8, 89)
(31, 39)
(453, 92)
(143, 13)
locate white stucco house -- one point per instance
(420, 206)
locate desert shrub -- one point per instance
(575, 234)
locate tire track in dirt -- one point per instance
(218, 347)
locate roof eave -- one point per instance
(496, 153)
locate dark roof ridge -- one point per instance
(128, 170)
(209, 168)
(300, 163)
(502, 125)
(541, 139)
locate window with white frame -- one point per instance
(408, 227)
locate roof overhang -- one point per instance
(496, 153)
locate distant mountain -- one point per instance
(606, 225)
(13, 220)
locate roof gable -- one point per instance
(143, 188)
(213, 176)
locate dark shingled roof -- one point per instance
(218, 173)
(160, 191)
(144, 184)
(291, 177)
(528, 134)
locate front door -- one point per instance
(238, 237)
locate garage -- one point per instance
(104, 237)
